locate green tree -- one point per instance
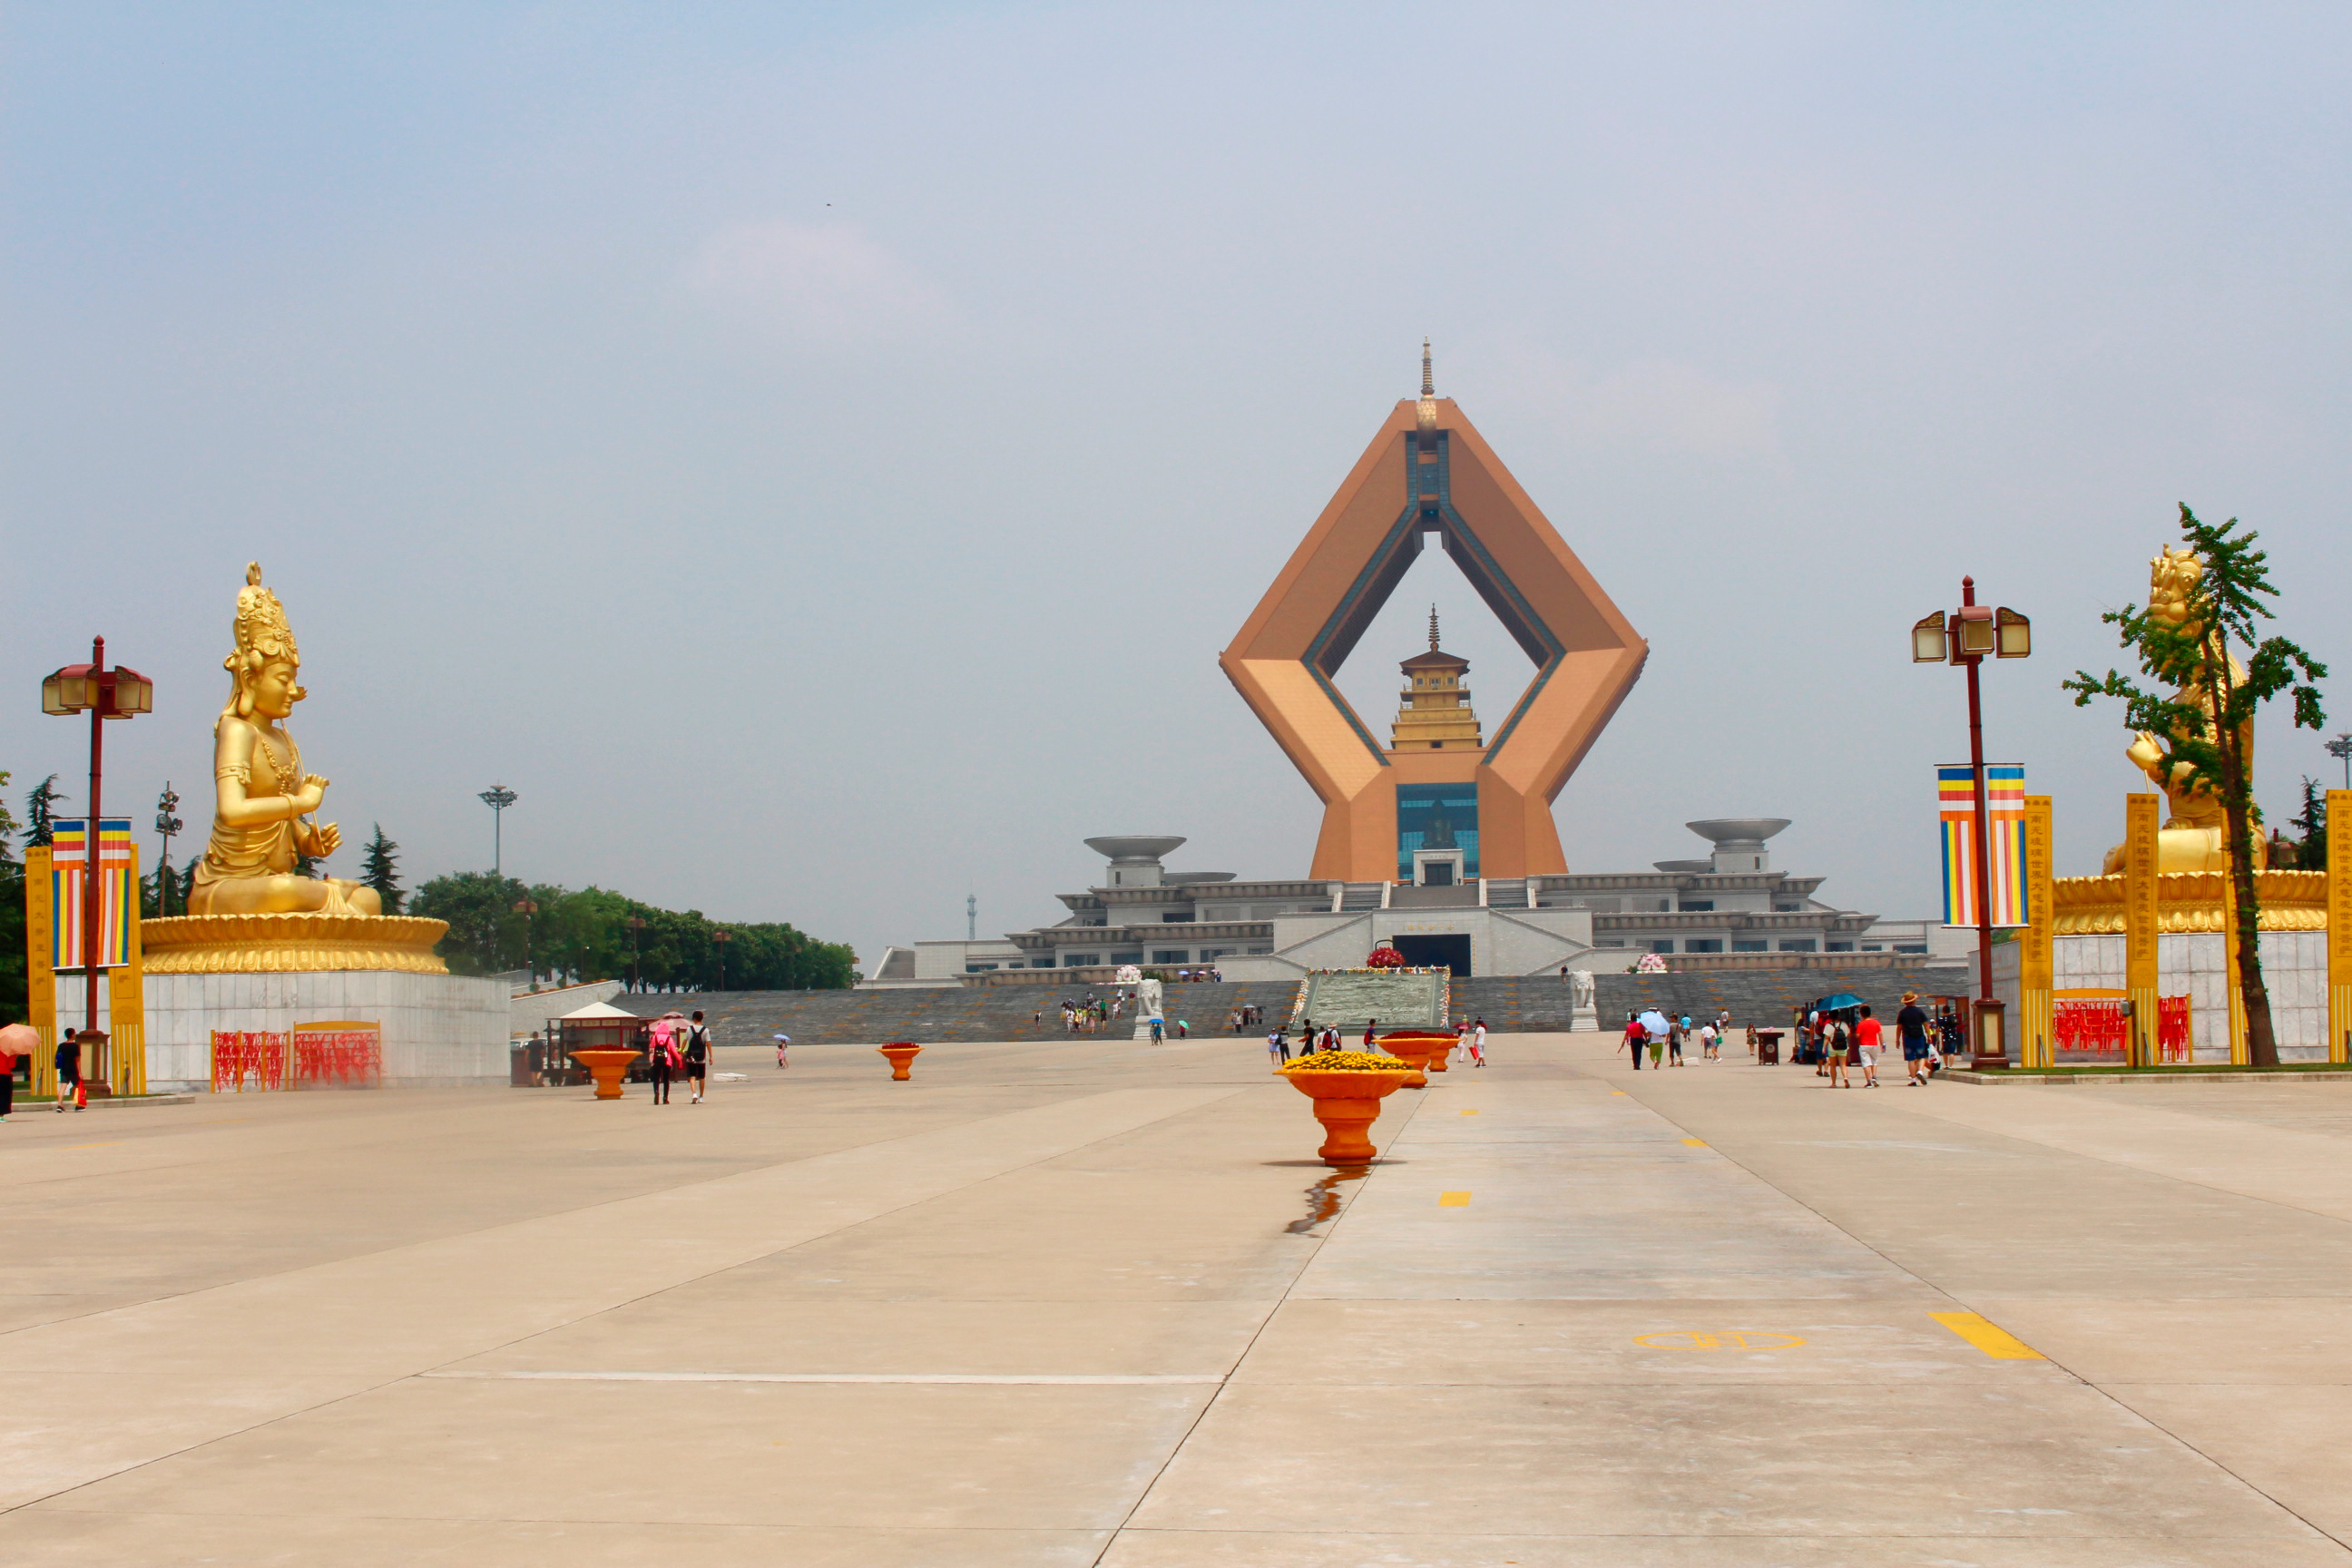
(2190, 654)
(40, 811)
(2311, 853)
(485, 936)
(378, 869)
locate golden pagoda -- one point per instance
(1435, 714)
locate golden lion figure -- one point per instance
(261, 793)
(2195, 838)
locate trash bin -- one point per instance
(1768, 1048)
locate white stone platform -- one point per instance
(439, 1029)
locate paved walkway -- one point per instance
(1092, 1303)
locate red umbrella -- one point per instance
(17, 1040)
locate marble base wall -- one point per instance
(2196, 964)
(439, 1029)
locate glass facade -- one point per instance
(1437, 817)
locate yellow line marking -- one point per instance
(1695, 1142)
(1739, 1340)
(1619, 1093)
(1995, 1341)
(1469, 1113)
(1454, 1200)
(108, 1144)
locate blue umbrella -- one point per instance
(1838, 1003)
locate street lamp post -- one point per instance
(103, 694)
(498, 797)
(2340, 748)
(635, 923)
(167, 824)
(526, 909)
(1976, 632)
(719, 939)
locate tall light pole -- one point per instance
(2340, 748)
(498, 797)
(103, 694)
(167, 824)
(972, 916)
(1975, 633)
(526, 909)
(719, 939)
(635, 923)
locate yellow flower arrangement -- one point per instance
(1345, 1061)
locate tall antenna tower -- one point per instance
(972, 916)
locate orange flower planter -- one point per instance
(1434, 1048)
(1347, 1103)
(1414, 1051)
(902, 1053)
(606, 1065)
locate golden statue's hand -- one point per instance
(2147, 753)
(324, 840)
(313, 793)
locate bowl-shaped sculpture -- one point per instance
(1737, 832)
(901, 1055)
(1415, 1048)
(1134, 846)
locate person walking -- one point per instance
(1866, 1041)
(1370, 1024)
(1159, 1032)
(1277, 1045)
(783, 1042)
(67, 1060)
(698, 1058)
(1837, 1039)
(1478, 1041)
(1707, 1042)
(662, 1058)
(8, 1069)
(1911, 1034)
(1675, 1029)
(1636, 1040)
(1656, 1026)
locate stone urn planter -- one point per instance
(607, 1064)
(902, 1053)
(1416, 1049)
(1347, 1088)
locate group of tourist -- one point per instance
(1844, 1037)
(1469, 1040)
(676, 1046)
(1089, 1017)
(1246, 1018)
(1660, 1037)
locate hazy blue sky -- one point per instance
(813, 454)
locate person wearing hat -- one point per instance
(1911, 1028)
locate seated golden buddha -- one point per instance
(261, 793)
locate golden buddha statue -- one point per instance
(2195, 838)
(261, 792)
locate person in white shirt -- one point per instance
(1479, 1042)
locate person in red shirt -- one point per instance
(1866, 1036)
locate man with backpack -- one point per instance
(697, 1057)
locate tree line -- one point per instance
(583, 935)
(586, 935)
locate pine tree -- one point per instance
(2213, 755)
(377, 870)
(2312, 853)
(40, 811)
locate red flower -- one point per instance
(1385, 957)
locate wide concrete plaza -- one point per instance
(1092, 1302)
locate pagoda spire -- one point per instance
(1432, 629)
(1425, 412)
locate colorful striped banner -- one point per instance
(118, 901)
(1956, 803)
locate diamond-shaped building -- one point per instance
(1428, 471)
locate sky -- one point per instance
(813, 454)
